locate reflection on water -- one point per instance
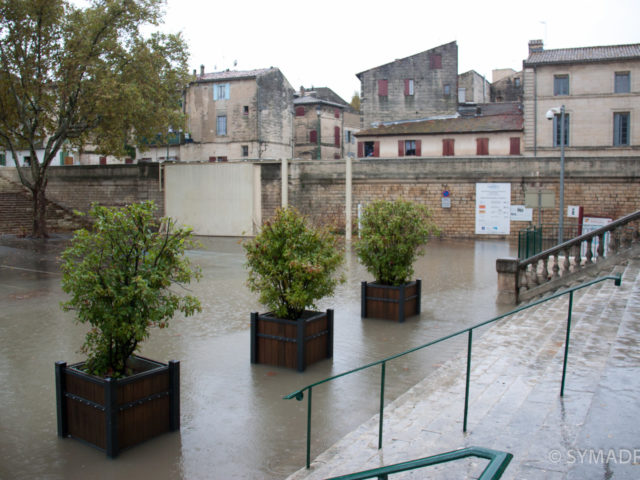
(234, 421)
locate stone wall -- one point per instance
(604, 187)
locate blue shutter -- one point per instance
(215, 91)
(226, 92)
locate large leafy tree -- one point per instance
(76, 76)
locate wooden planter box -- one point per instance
(291, 343)
(389, 302)
(116, 414)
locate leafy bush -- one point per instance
(391, 234)
(119, 276)
(292, 264)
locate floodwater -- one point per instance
(234, 422)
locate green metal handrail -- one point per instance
(498, 462)
(299, 394)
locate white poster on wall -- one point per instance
(493, 208)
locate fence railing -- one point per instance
(498, 462)
(576, 254)
(299, 394)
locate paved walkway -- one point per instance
(593, 432)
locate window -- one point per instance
(435, 61)
(336, 136)
(383, 88)
(409, 148)
(103, 160)
(561, 84)
(408, 87)
(462, 95)
(299, 111)
(221, 91)
(516, 82)
(347, 136)
(221, 125)
(621, 128)
(482, 146)
(245, 110)
(368, 149)
(26, 161)
(557, 131)
(622, 82)
(313, 136)
(245, 150)
(3, 161)
(336, 112)
(448, 147)
(514, 146)
(447, 90)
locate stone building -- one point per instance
(495, 130)
(506, 85)
(599, 88)
(415, 87)
(234, 115)
(324, 125)
(473, 88)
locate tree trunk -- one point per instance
(39, 212)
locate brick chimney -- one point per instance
(535, 46)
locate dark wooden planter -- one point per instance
(116, 414)
(389, 302)
(291, 343)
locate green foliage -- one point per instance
(292, 264)
(73, 76)
(391, 235)
(355, 101)
(119, 277)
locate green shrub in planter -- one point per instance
(292, 264)
(391, 235)
(119, 276)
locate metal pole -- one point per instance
(466, 391)
(562, 142)
(384, 365)
(566, 343)
(309, 430)
(348, 195)
(319, 152)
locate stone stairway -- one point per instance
(515, 403)
(16, 211)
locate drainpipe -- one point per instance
(258, 120)
(535, 112)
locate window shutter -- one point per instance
(407, 91)
(376, 149)
(336, 136)
(514, 146)
(215, 91)
(401, 148)
(299, 111)
(313, 136)
(360, 149)
(482, 146)
(383, 88)
(226, 91)
(448, 147)
(418, 148)
(336, 112)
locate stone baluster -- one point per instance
(545, 270)
(589, 253)
(556, 267)
(566, 264)
(601, 240)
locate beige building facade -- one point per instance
(599, 88)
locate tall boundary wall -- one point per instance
(605, 187)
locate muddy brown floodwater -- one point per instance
(234, 422)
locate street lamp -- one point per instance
(319, 150)
(551, 113)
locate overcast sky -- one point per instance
(326, 42)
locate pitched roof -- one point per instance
(492, 123)
(232, 74)
(584, 54)
(311, 100)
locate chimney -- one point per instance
(194, 72)
(301, 91)
(535, 46)
(201, 70)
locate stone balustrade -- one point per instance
(520, 280)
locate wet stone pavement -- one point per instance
(593, 432)
(234, 422)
